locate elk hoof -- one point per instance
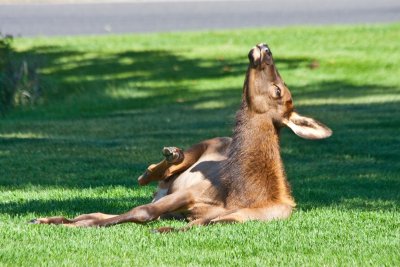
(34, 221)
(173, 155)
(143, 179)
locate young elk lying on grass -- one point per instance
(225, 179)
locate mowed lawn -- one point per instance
(111, 103)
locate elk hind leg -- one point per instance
(211, 213)
(275, 212)
(63, 220)
(145, 213)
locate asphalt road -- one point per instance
(183, 15)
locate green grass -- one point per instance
(111, 103)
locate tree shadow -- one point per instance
(70, 72)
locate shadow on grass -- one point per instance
(69, 207)
(357, 168)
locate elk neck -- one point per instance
(255, 174)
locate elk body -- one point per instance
(225, 179)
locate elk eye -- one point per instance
(277, 91)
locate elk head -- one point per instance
(266, 93)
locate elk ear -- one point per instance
(255, 56)
(307, 128)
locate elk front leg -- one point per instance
(156, 172)
(176, 161)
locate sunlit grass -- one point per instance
(20, 135)
(110, 103)
(210, 105)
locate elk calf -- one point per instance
(226, 179)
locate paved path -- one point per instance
(61, 18)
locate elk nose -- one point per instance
(263, 46)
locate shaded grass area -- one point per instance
(111, 103)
